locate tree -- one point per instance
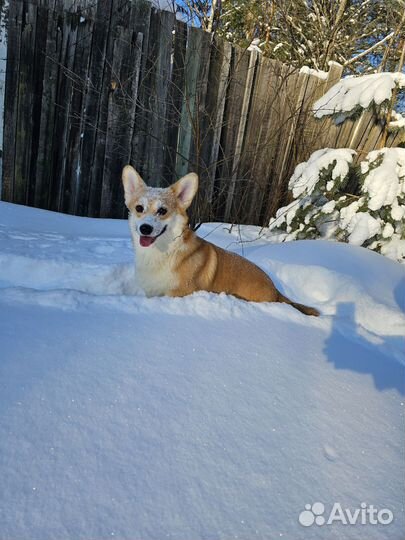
(336, 197)
(360, 34)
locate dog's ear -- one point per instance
(185, 189)
(132, 183)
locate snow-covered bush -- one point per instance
(351, 95)
(361, 204)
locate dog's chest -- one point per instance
(154, 272)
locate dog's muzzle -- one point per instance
(145, 240)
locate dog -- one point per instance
(171, 260)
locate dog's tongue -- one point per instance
(146, 241)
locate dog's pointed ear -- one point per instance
(185, 189)
(132, 183)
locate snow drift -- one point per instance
(198, 417)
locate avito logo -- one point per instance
(366, 514)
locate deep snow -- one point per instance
(197, 418)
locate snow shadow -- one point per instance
(357, 353)
(399, 295)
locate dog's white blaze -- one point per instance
(144, 202)
(153, 221)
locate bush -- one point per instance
(334, 198)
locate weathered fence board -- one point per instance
(228, 157)
(72, 174)
(94, 84)
(121, 117)
(175, 100)
(11, 99)
(232, 209)
(68, 32)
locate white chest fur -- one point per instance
(154, 271)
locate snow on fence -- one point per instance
(92, 85)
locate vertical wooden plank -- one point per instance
(263, 148)
(118, 7)
(25, 104)
(364, 124)
(121, 113)
(232, 118)
(294, 92)
(72, 171)
(112, 148)
(277, 126)
(328, 131)
(284, 108)
(247, 96)
(294, 115)
(3, 66)
(38, 84)
(157, 83)
(87, 192)
(282, 79)
(254, 140)
(210, 135)
(195, 84)
(11, 98)
(134, 71)
(313, 130)
(303, 136)
(369, 139)
(175, 100)
(140, 22)
(363, 135)
(46, 140)
(68, 25)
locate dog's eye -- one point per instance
(162, 211)
(139, 208)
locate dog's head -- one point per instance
(157, 215)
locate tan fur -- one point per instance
(179, 262)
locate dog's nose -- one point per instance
(146, 229)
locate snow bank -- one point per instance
(198, 417)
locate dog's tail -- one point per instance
(307, 310)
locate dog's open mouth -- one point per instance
(147, 241)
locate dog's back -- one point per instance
(204, 266)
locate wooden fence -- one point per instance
(93, 85)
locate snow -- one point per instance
(397, 211)
(361, 227)
(315, 72)
(348, 212)
(306, 174)
(329, 207)
(353, 92)
(197, 417)
(385, 182)
(255, 46)
(395, 249)
(397, 121)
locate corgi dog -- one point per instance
(171, 260)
